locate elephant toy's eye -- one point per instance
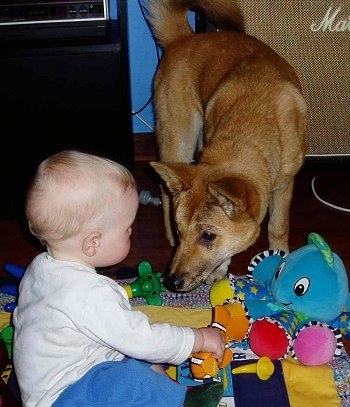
(301, 286)
(279, 270)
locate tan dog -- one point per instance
(233, 94)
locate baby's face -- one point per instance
(115, 241)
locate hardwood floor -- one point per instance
(149, 243)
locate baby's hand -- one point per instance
(209, 340)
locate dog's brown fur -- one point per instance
(247, 102)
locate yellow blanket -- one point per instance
(307, 386)
(5, 320)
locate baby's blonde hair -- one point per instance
(72, 189)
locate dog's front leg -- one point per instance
(167, 215)
(279, 207)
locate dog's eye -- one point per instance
(208, 237)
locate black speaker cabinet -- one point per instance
(56, 96)
(314, 36)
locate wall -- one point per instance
(143, 54)
(143, 63)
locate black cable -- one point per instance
(157, 53)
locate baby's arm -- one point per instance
(209, 340)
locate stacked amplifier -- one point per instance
(45, 19)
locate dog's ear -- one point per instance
(234, 195)
(177, 176)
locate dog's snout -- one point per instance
(174, 283)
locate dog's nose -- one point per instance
(173, 283)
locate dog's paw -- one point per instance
(171, 239)
(218, 274)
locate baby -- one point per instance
(77, 340)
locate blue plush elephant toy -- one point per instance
(297, 304)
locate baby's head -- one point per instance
(74, 194)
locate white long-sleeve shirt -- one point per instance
(69, 318)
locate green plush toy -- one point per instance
(205, 395)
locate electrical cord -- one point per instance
(331, 205)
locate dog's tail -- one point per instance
(169, 20)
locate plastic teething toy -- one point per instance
(264, 368)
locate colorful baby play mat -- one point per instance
(291, 384)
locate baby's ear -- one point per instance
(90, 243)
